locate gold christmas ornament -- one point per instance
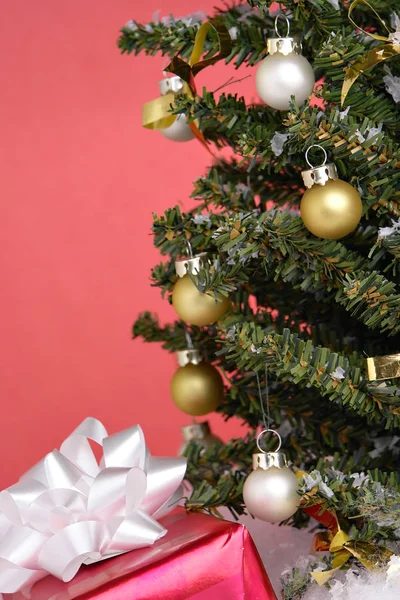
(196, 387)
(330, 208)
(194, 307)
(199, 433)
(270, 491)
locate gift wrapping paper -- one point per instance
(201, 558)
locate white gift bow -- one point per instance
(69, 510)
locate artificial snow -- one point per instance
(188, 20)
(282, 547)
(395, 21)
(233, 32)
(343, 113)
(392, 84)
(200, 219)
(352, 585)
(338, 373)
(277, 142)
(384, 232)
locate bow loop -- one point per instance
(125, 448)
(69, 510)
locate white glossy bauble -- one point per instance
(179, 131)
(281, 76)
(271, 494)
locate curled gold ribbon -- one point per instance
(342, 546)
(383, 367)
(156, 113)
(373, 56)
(188, 70)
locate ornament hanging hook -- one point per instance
(268, 431)
(282, 16)
(189, 248)
(325, 156)
(189, 341)
(265, 416)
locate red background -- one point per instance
(80, 178)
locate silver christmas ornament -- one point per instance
(270, 491)
(285, 72)
(179, 131)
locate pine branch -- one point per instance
(314, 264)
(289, 306)
(173, 337)
(218, 474)
(295, 409)
(391, 244)
(236, 187)
(280, 243)
(370, 502)
(308, 308)
(313, 19)
(366, 155)
(247, 30)
(367, 97)
(292, 359)
(307, 427)
(216, 481)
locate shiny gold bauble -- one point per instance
(197, 389)
(193, 306)
(331, 211)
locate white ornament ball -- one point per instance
(281, 76)
(179, 131)
(271, 494)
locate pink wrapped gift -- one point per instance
(201, 558)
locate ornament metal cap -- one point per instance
(190, 264)
(195, 431)
(265, 460)
(170, 84)
(283, 44)
(321, 174)
(190, 356)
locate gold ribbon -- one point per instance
(188, 70)
(343, 548)
(373, 56)
(341, 545)
(156, 113)
(383, 367)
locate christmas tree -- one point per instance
(299, 275)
